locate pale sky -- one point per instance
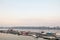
(30, 12)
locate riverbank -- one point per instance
(4, 36)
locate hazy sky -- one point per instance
(30, 12)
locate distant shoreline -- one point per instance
(37, 28)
